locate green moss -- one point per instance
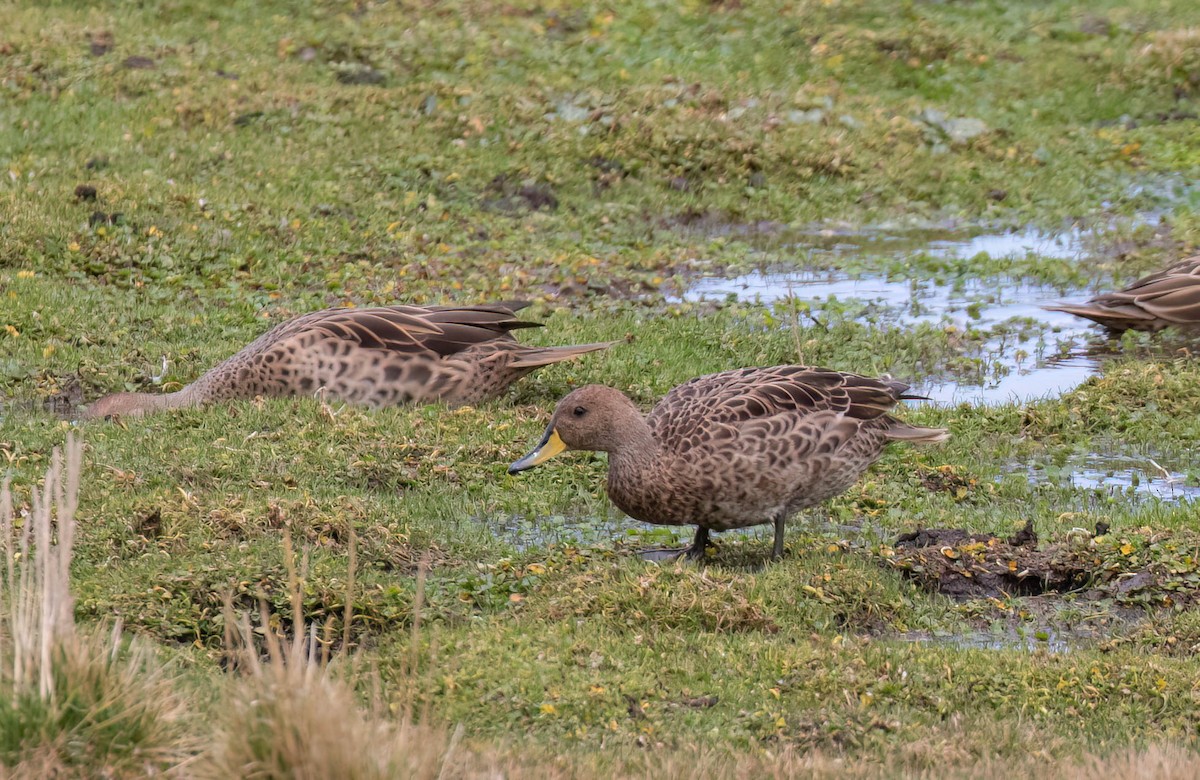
(283, 156)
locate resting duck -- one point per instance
(374, 357)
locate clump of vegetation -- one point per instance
(677, 597)
(293, 716)
(71, 701)
(289, 716)
(1172, 59)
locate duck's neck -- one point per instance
(634, 468)
(176, 400)
(637, 447)
(147, 403)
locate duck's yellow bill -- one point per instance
(547, 448)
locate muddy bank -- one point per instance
(1133, 569)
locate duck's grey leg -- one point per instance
(696, 551)
(780, 519)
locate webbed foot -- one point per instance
(694, 553)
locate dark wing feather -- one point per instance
(713, 407)
(441, 330)
(1167, 297)
(391, 328)
(1172, 295)
(465, 326)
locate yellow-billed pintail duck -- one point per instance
(734, 449)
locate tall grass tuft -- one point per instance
(71, 702)
(292, 716)
(1172, 57)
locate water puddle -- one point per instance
(1025, 352)
(1116, 476)
(527, 533)
(1019, 352)
(936, 242)
(943, 244)
(1047, 639)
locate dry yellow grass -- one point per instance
(291, 716)
(72, 703)
(37, 596)
(1160, 762)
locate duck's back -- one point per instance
(717, 406)
(377, 356)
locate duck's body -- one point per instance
(734, 449)
(1170, 297)
(374, 357)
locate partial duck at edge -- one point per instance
(1167, 298)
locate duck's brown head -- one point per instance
(593, 417)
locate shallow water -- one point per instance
(1121, 475)
(1048, 639)
(525, 533)
(1029, 353)
(1068, 244)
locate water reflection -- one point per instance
(1029, 354)
(1121, 475)
(1067, 244)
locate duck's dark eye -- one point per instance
(579, 411)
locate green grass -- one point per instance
(587, 157)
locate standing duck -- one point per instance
(1160, 300)
(374, 357)
(734, 449)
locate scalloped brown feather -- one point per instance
(1170, 297)
(376, 357)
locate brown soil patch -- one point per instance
(964, 565)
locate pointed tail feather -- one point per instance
(900, 390)
(532, 357)
(517, 324)
(514, 307)
(1117, 318)
(904, 432)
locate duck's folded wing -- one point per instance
(442, 330)
(1173, 297)
(718, 406)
